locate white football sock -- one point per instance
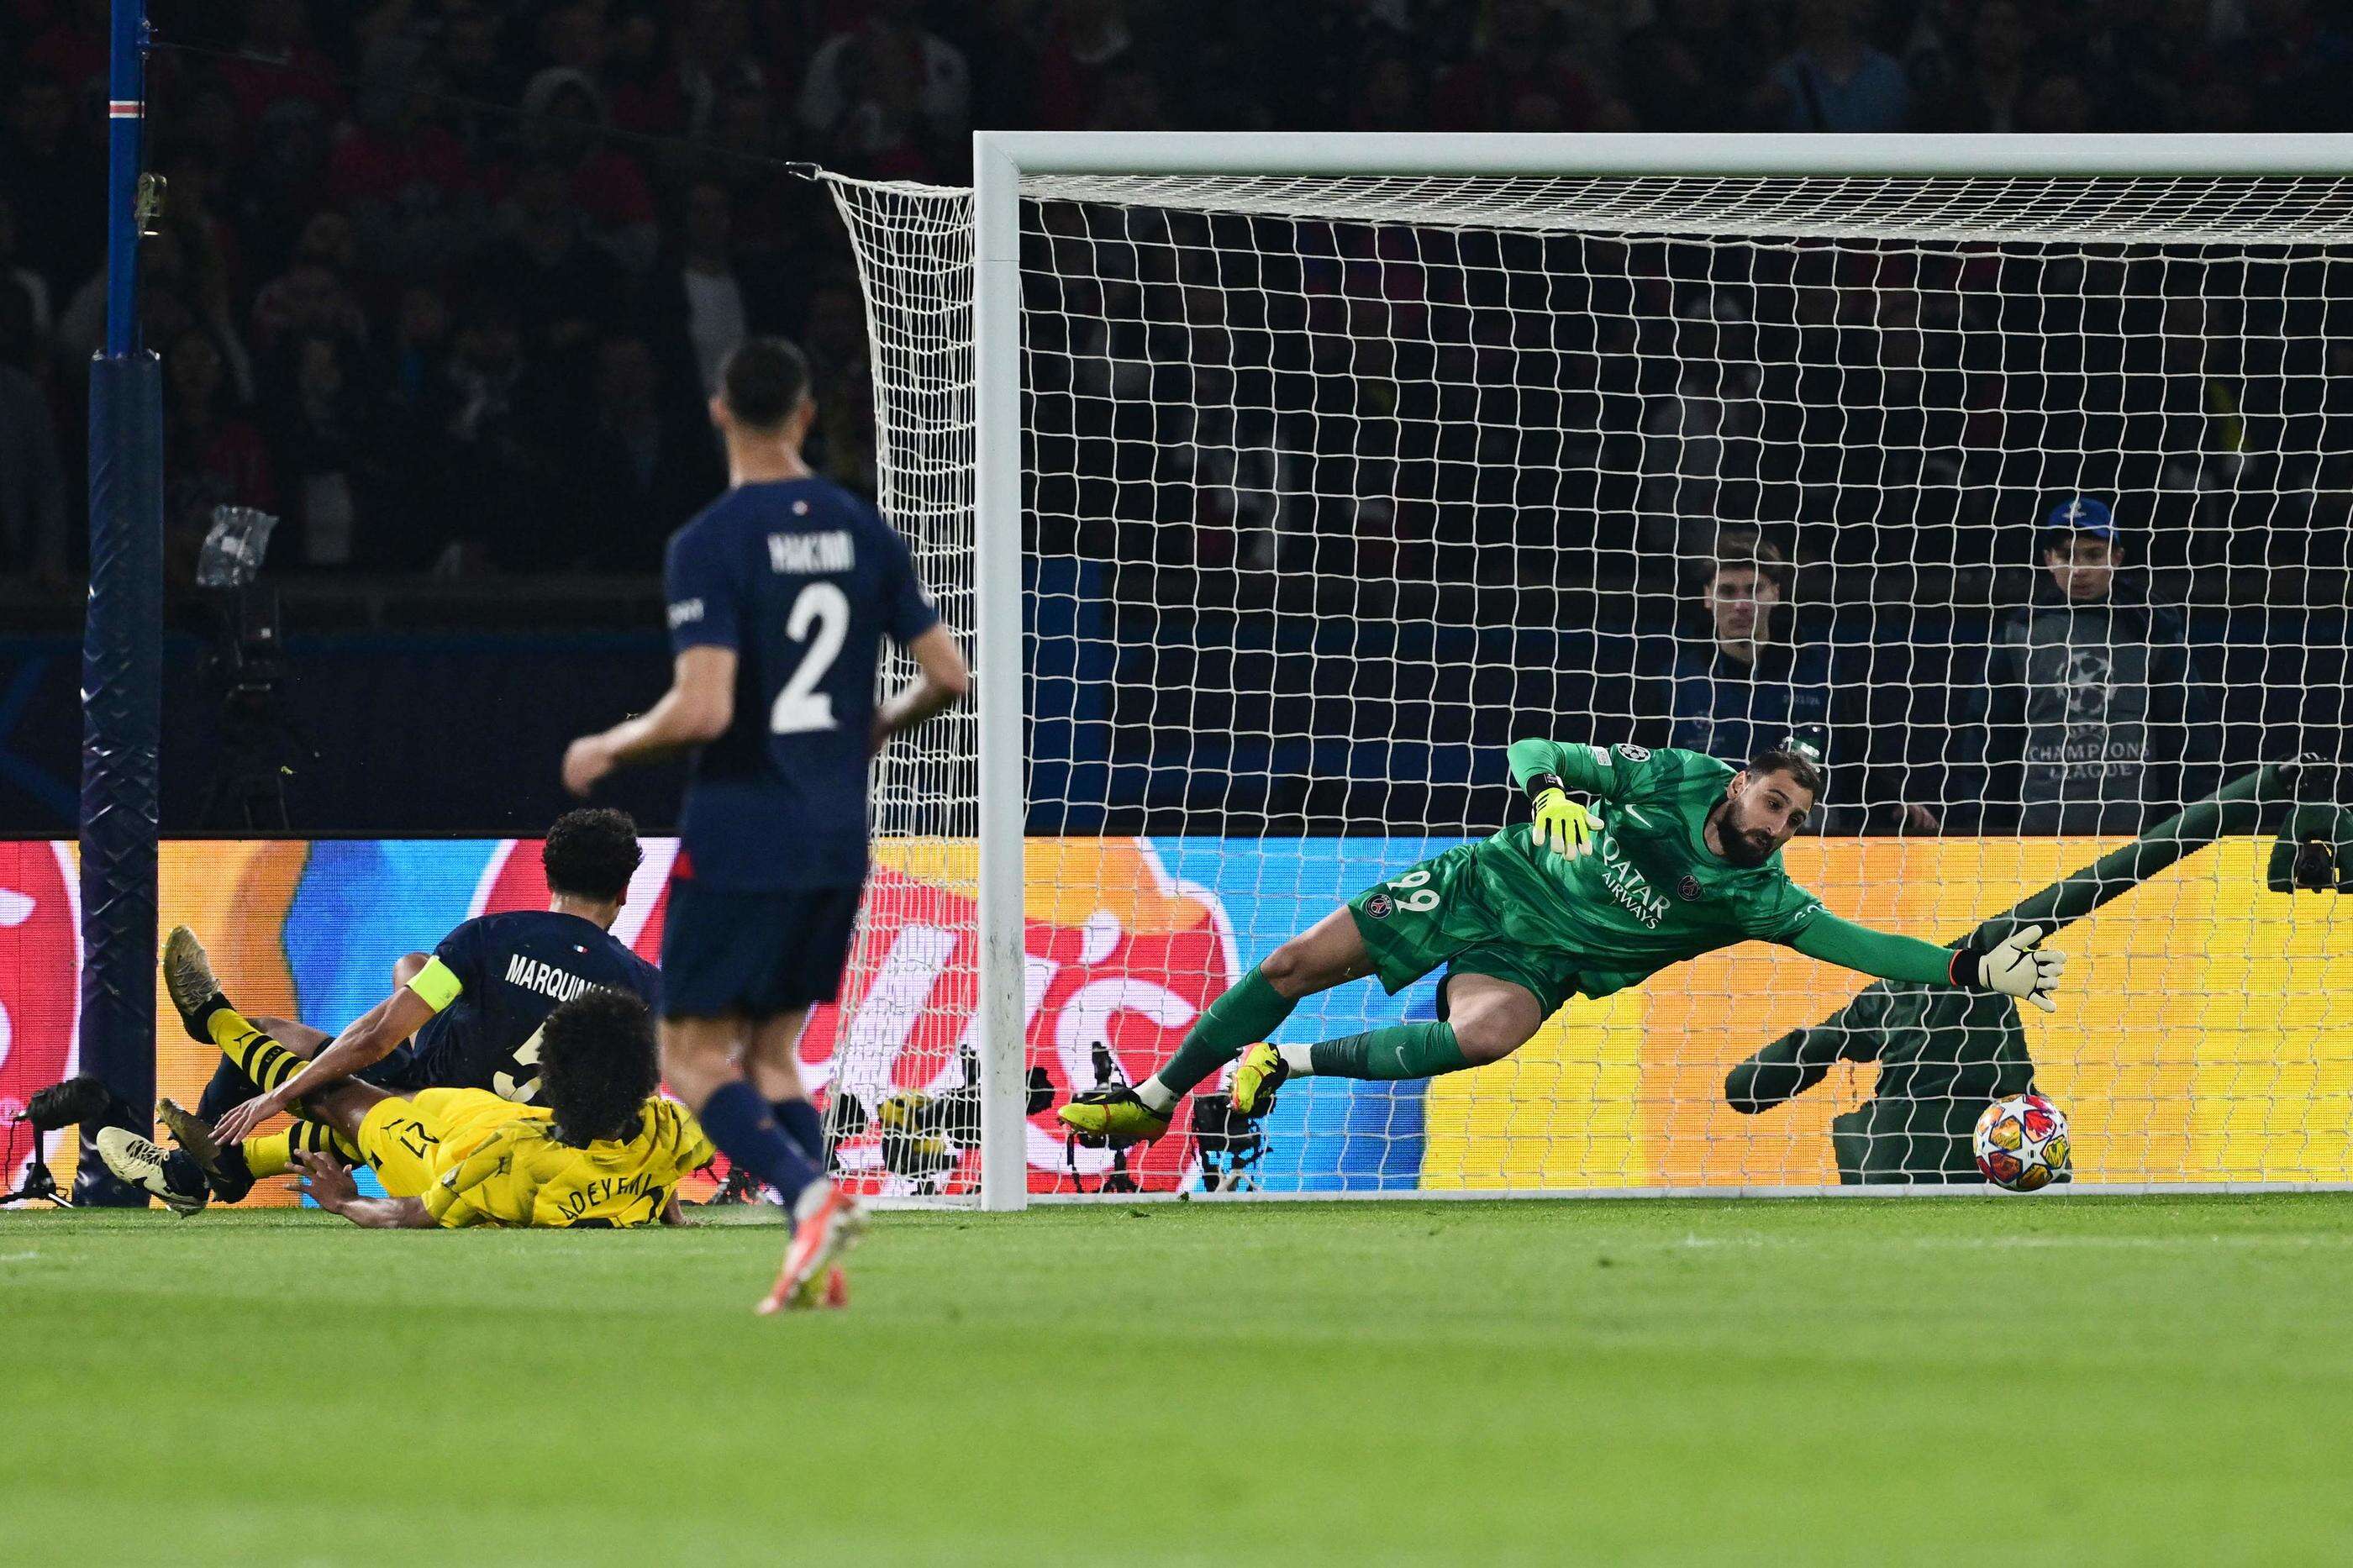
(1296, 1059)
(1156, 1095)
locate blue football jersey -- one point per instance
(804, 581)
(512, 969)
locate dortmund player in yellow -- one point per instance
(600, 1148)
(1685, 857)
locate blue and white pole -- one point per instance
(122, 644)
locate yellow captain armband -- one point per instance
(437, 985)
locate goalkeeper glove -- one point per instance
(1561, 824)
(2016, 966)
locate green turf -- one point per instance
(2056, 1380)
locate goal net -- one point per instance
(2024, 499)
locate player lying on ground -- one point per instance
(603, 1150)
(1685, 859)
(473, 1007)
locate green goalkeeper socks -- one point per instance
(1401, 1050)
(1245, 1014)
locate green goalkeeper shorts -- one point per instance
(1439, 912)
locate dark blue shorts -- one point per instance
(405, 1071)
(756, 953)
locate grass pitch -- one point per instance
(2065, 1380)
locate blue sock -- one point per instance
(226, 1091)
(801, 1123)
(746, 1130)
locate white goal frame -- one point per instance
(1003, 160)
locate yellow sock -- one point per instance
(272, 1154)
(260, 1057)
(317, 1138)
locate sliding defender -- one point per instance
(603, 1151)
(467, 1015)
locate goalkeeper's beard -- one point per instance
(1747, 847)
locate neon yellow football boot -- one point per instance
(1112, 1118)
(1256, 1076)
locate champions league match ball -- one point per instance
(2021, 1142)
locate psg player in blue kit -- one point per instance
(780, 595)
(467, 1015)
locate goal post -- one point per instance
(1278, 479)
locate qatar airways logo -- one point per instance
(1628, 887)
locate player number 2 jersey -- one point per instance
(802, 580)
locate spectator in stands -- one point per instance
(565, 116)
(414, 395)
(1703, 438)
(1746, 687)
(841, 441)
(650, 466)
(1750, 687)
(415, 206)
(315, 294)
(711, 60)
(473, 62)
(708, 306)
(1834, 79)
(564, 287)
(2095, 707)
(212, 456)
(765, 212)
(500, 414)
(282, 181)
(276, 65)
(324, 456)
(1518, 73)
(889, 96)
(1085, 41)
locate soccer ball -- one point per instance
(2021, 1142)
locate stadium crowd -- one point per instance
(445, 284)
(442, 281)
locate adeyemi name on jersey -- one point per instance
(832, 551)
(544, 978)
(609, 1189)
(1626, 885)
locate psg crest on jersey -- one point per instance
(1378, 906)
(1688, 889)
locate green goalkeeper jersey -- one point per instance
(1652, 893)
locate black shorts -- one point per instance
(756, 953)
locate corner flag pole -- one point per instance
(122, 641)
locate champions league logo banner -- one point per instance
(2197, 1044)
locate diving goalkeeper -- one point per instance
(1683, 857)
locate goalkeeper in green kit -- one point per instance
(1684, 857)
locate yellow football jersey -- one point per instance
(520, 1174)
